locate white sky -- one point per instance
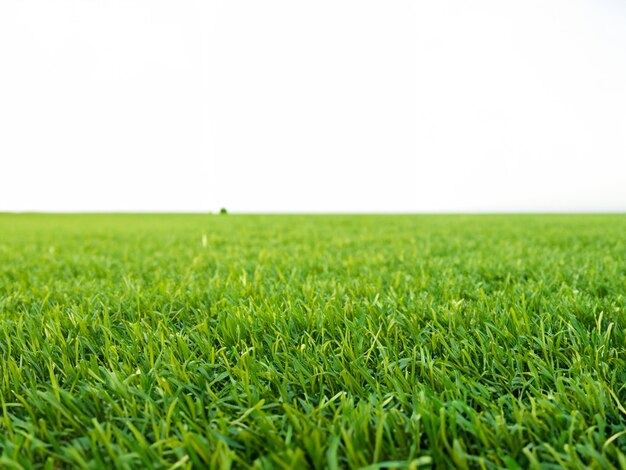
(325, 105)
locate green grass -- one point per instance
(312, 341)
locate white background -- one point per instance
(313, 106)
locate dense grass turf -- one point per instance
(312, 341)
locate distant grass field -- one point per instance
(182, 341)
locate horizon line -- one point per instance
(314, 213)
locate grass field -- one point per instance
(312, 341)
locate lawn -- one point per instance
(322, 341)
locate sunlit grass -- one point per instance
(312, 341)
